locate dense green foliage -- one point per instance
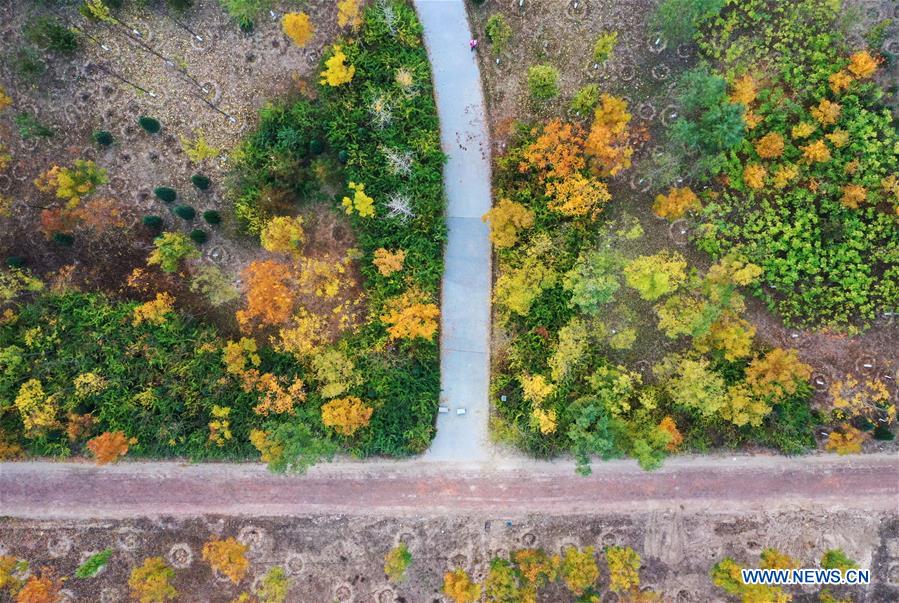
(93, 564)
(817, 210)
(75, 365)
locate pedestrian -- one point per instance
(473, 44)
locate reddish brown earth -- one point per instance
(66, 490)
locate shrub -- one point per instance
(63, 238)
(498, 33)
(152, 222)
(48, 32)
(396, 562)
(543, 82)
(316, 146)
(103, 138)
(604, 46)
(185, 212)
(198, 236)
(108, 447)
(149, 124)
(170, 249)
(585, 99)
(679, 19)
(165, 194)
(28, 64)
(29, 127)
(152, 582)
(93, 564)
(212, 217)
(200, 181)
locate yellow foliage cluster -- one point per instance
(155, 311)
(410, 315)
(108, 447)
(742, 406)
(236, 355)
(852, 398)
(826, 112)
(846, 440)
(152, 582)
(283, 234)
(578, 569)
(784, 175)
(578, 196)
(71, 184)
(37, 409)
(729, 334)
(220, 425)
(802, 130)
(535, 388)
(346, 415)
(269, 450)
(839, 138)
(304, 337)
(754, 175)
(349, 12)
(676, 203)
(276, 394)
(607, 142)
(624, 569)
(87, 384)
(777, 373)
(337, 72)
(362, 203)
(544, 420)
(335, 372)
(198, 149)
(323, 278)
(5, 99)
(770, 146)
(460, 588)
(816, 152)
(388, 262)
(227, 557)
(506, 219)
(298, 28)
(862, 64)
(853, 195)
(557, 153)
(744, 90)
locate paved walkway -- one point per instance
(465, 322)
(45, 490)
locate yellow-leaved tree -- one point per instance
(152, 582)
(578, 196)
(459, 587)
(346, 415)
(676, 203)
(506, 220)
(227, 557)
(298, 28)
(283, 234)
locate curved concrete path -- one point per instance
(465, 320)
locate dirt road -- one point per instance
(68, 490)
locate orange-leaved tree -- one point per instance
(607, 143)
(109, 446)
(557, 153)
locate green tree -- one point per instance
(498, 33)
(543, 82)
(656, 275)
(502, 584)
(396, 562)
(593, 280)
(170, 249)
